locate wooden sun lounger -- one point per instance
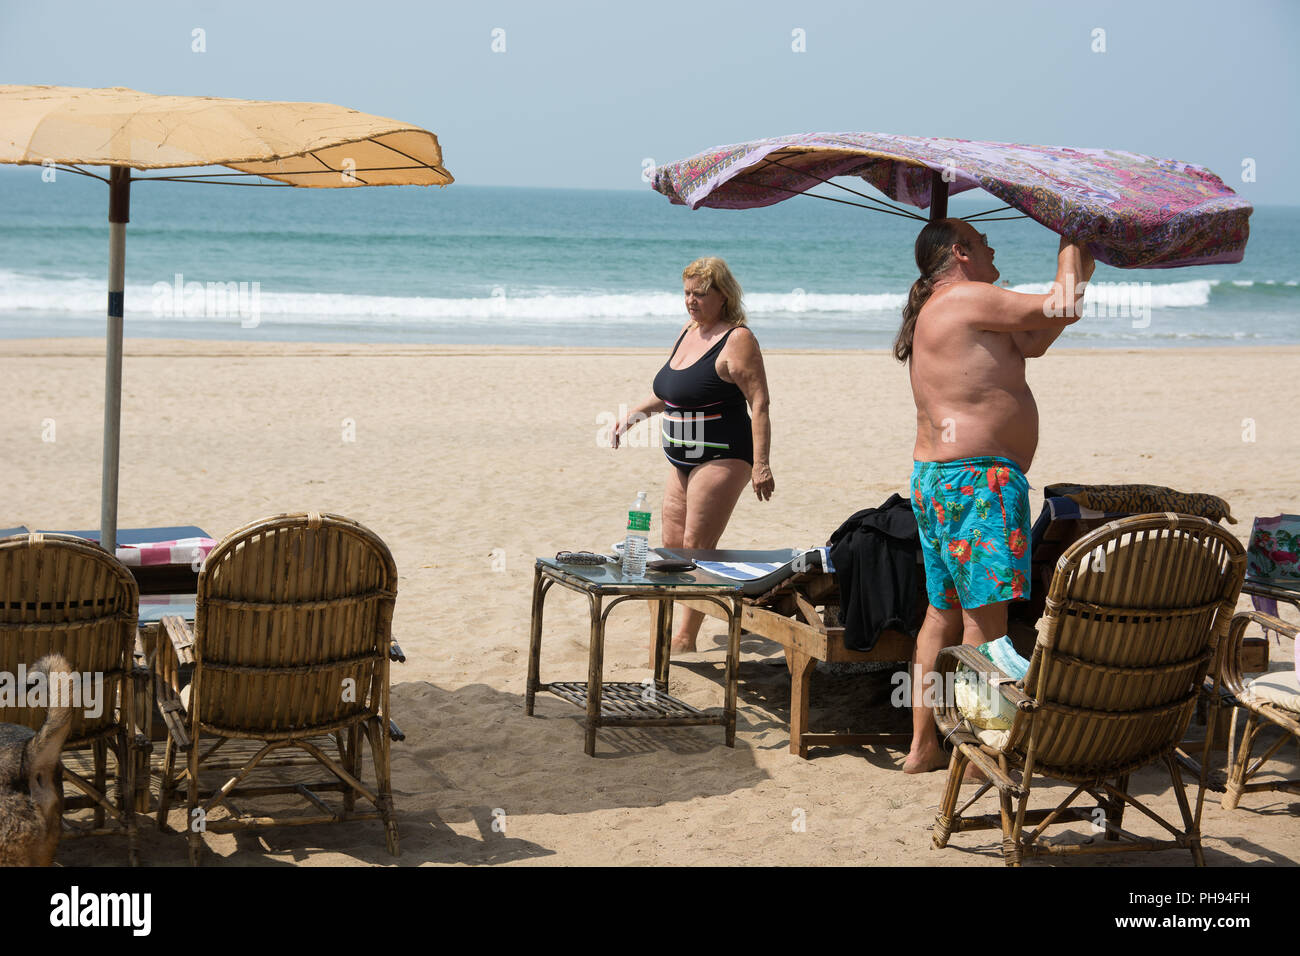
(790, 612)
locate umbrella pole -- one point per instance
(938, 196)
(119, 214)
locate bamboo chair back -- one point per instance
(293, 622)
(1133, 617)
(65, 595)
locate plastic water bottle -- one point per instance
(637, 541)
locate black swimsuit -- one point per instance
(706, 419)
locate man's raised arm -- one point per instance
(1074, 267)
(1033, 319)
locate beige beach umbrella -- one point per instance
(314, 145)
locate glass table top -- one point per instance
(611, 575)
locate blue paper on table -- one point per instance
(759, 571)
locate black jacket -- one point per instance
(874, 554)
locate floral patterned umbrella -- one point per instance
(1132, 211)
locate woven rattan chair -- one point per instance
(1134, 615)
(64, 595)
(1270, 701)
(291, 642)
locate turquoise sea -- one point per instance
(477, 265)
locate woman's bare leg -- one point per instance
(672, 520)
(672, 529)
(712, 490)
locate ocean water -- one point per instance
(566, 267)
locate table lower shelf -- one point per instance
(632, 705)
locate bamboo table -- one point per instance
(623, 704)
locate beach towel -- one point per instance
(190, 551)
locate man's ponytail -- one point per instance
(933, 251)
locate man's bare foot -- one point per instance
(925, 761)
(974, 774)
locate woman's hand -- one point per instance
(651, 406)
(764, 483)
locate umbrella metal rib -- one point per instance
(80, 172)
(846, 202)
(204, 182)
(217, 178)
(986, 212)
(898, 210)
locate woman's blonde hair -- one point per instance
(716, 275)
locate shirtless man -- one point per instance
(965, 340)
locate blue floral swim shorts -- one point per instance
(973, 519)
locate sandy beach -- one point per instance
(470, 461)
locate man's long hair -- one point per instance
(933, 253)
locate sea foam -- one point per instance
(83, 295)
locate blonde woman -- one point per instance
(714, 371)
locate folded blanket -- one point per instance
(1142, 499)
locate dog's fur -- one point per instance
(31, 782)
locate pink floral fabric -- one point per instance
(1133, 211)
(1274, 552)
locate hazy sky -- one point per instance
(584, 92)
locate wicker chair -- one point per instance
(291, 642)
(64, 595)
(1134, 615)
(1270, 700)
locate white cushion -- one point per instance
(1277, 687)
(997, 739)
